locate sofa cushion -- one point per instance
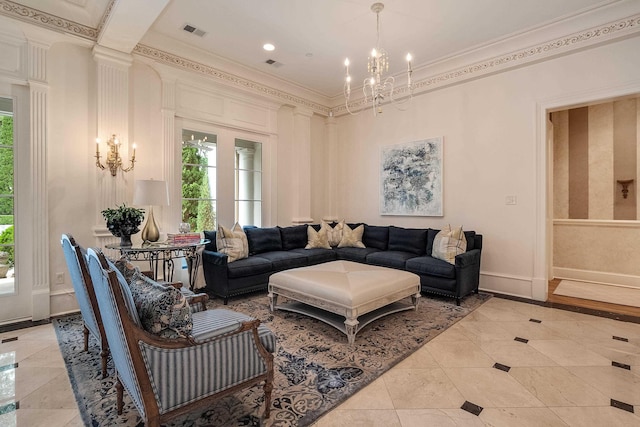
(163, 310)
(431, 266)
(448, 243)
(470, 236)
(317, 239)
(293, 237)
(283, 260)
(352, 238)
(375, 236)
(211, 237)
(248, 267)
(354, 254)
(393, 259)
(316, 255)
(413, 240)
(263, 240)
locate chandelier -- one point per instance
(377, 88)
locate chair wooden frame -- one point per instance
(135, 335)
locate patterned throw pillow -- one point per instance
(334, 234)
(232, 242)
(127, 269)
(352, 238)
(163, 310)
(448, 243)
(317, 239)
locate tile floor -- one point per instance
(516, 364)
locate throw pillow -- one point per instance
(317, 239)
(334, 233)
(232, 242)
(163, 310)
(352, 238)
(128, 270)
(448, 243)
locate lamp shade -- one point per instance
(149, 192)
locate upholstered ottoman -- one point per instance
(346, 295)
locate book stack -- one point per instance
(183, 238)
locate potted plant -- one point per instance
(123, 221)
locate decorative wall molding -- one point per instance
(620, 28)
(227, 78)
(43, 19)
(563, 45)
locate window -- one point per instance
(199, 180)
(248, 182)
(7, 243)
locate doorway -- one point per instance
(593, 166)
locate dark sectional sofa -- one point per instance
(280, 248)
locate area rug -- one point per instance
(623, 295)
(315, 368)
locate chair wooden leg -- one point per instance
(268, 388)
(119, 396)
(86, 337)
(103, 354)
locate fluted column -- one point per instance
(112, 87)
(331, 173)
(172, 158)
(302, 166)
(38, 133)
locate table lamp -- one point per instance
(151, 193)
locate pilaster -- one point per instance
(38, 135)
(330, 167)
(302, 166)
(112, 95)
(171, 170)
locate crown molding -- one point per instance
(227, 78)
(601, 34)
(43, 19)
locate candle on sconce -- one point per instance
(348, 77)
(133, 157)
(97, 146)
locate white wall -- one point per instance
(490, 144)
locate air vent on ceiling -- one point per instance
(193, 30)
(273, 63)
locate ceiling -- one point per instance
(313, 37)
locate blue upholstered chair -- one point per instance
(86, 297)
(225, 352)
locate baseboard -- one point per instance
(63, 302)
(596, 277)
(516, 286)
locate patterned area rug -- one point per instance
(315, 368)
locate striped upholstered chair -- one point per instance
(86, 297)
(225, 352)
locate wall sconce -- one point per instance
(625, 186)
(114, 161)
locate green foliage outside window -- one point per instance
(6, 238)
(6, 165)
(196, 194)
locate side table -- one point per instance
(165, 252)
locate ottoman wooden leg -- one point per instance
(351, 327)
(273, 301)
(415, 299)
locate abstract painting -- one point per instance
(411, 178)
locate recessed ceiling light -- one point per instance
(268, 47)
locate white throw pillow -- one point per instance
(448, 243)
(232, 242)
(317, 239)
(352, 238)
(334, 233)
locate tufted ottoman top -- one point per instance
(346, 283)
